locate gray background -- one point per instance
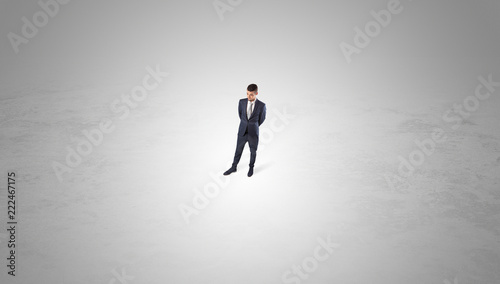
(322, 173)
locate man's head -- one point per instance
(252, 92)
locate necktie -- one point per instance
(249, 112)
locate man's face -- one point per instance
(252, 95)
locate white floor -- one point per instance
(319, 176)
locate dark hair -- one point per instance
(252, 88)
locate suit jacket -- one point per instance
(256, 119)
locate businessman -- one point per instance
(252, 114)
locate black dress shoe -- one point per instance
(250, 172)
(231, 170)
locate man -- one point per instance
(252, 114)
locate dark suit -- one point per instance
(248, 130)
